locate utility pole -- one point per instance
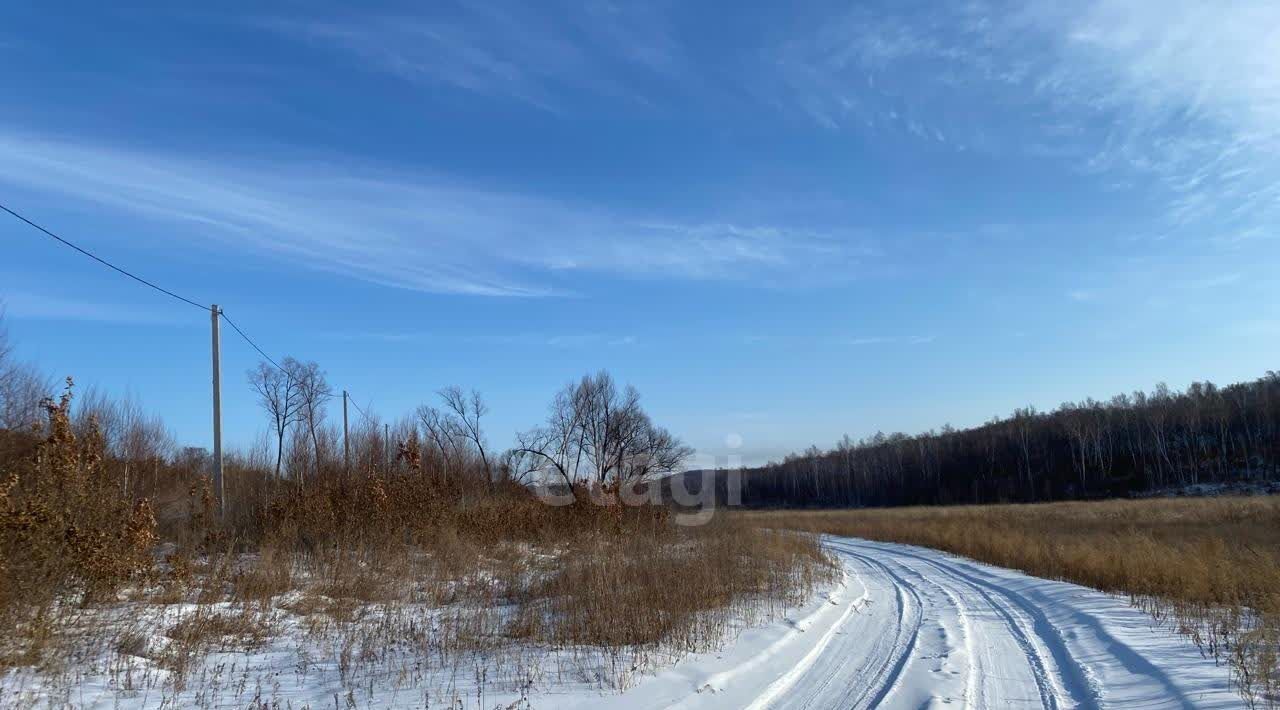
(217, 411)
(346, 446)
(386, 447)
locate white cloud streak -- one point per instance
(1182, 96)
(561, 341)
(839, 340)
(21, 304)
(533, 53)
(1179, 99)
(411, 231)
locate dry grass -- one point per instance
(598, 609)
(620, 593)
(370, 579)
(1211, 566)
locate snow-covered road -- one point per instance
(911, 628)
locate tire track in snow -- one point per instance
(789, 679)
(1068, 686)
(975, 667)
(1054, 694)
(929, 617)
(910, 614)
(873, 647)
(1085, 690)
(785, 683)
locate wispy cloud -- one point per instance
(414, 231)
(839, 340)
(1193, 91)
(30, 305)
(532, 53)
(887, 340)
(1181, 96)
(566, 341)
(1215, 281)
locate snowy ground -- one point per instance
(906, 627)
(1216, 490)
(913, 628)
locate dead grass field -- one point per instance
(493, 617)
(369, 583)
(1208, 566)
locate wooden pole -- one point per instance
(346, 445)
(217, 411)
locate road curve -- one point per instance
(913, 628)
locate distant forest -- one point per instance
(1130, 444)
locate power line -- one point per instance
(249, 340)
(217, 313)
(165, 291)
(358, 409)
(104, 262)
(141, 280)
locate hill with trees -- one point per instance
(1131, 444)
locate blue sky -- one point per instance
(781, 223)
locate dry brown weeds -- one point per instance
(387, 573)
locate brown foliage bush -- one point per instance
(66, 527)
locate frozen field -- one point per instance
(906, 627)
(913, 628)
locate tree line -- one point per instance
(1130, 444)
(596, 434)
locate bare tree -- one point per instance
(517, 467)
(1128, 444)
(442, 432)
(654, 451)
(597, 433)
(22, 386)
(6, 347)
(7, 372)
(280, 395)
(622, 444)
(315, 392)
(23, 389)
(555, 448)
(466, 413)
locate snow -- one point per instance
(911, 627)
(905, 627)
(1215, 490)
